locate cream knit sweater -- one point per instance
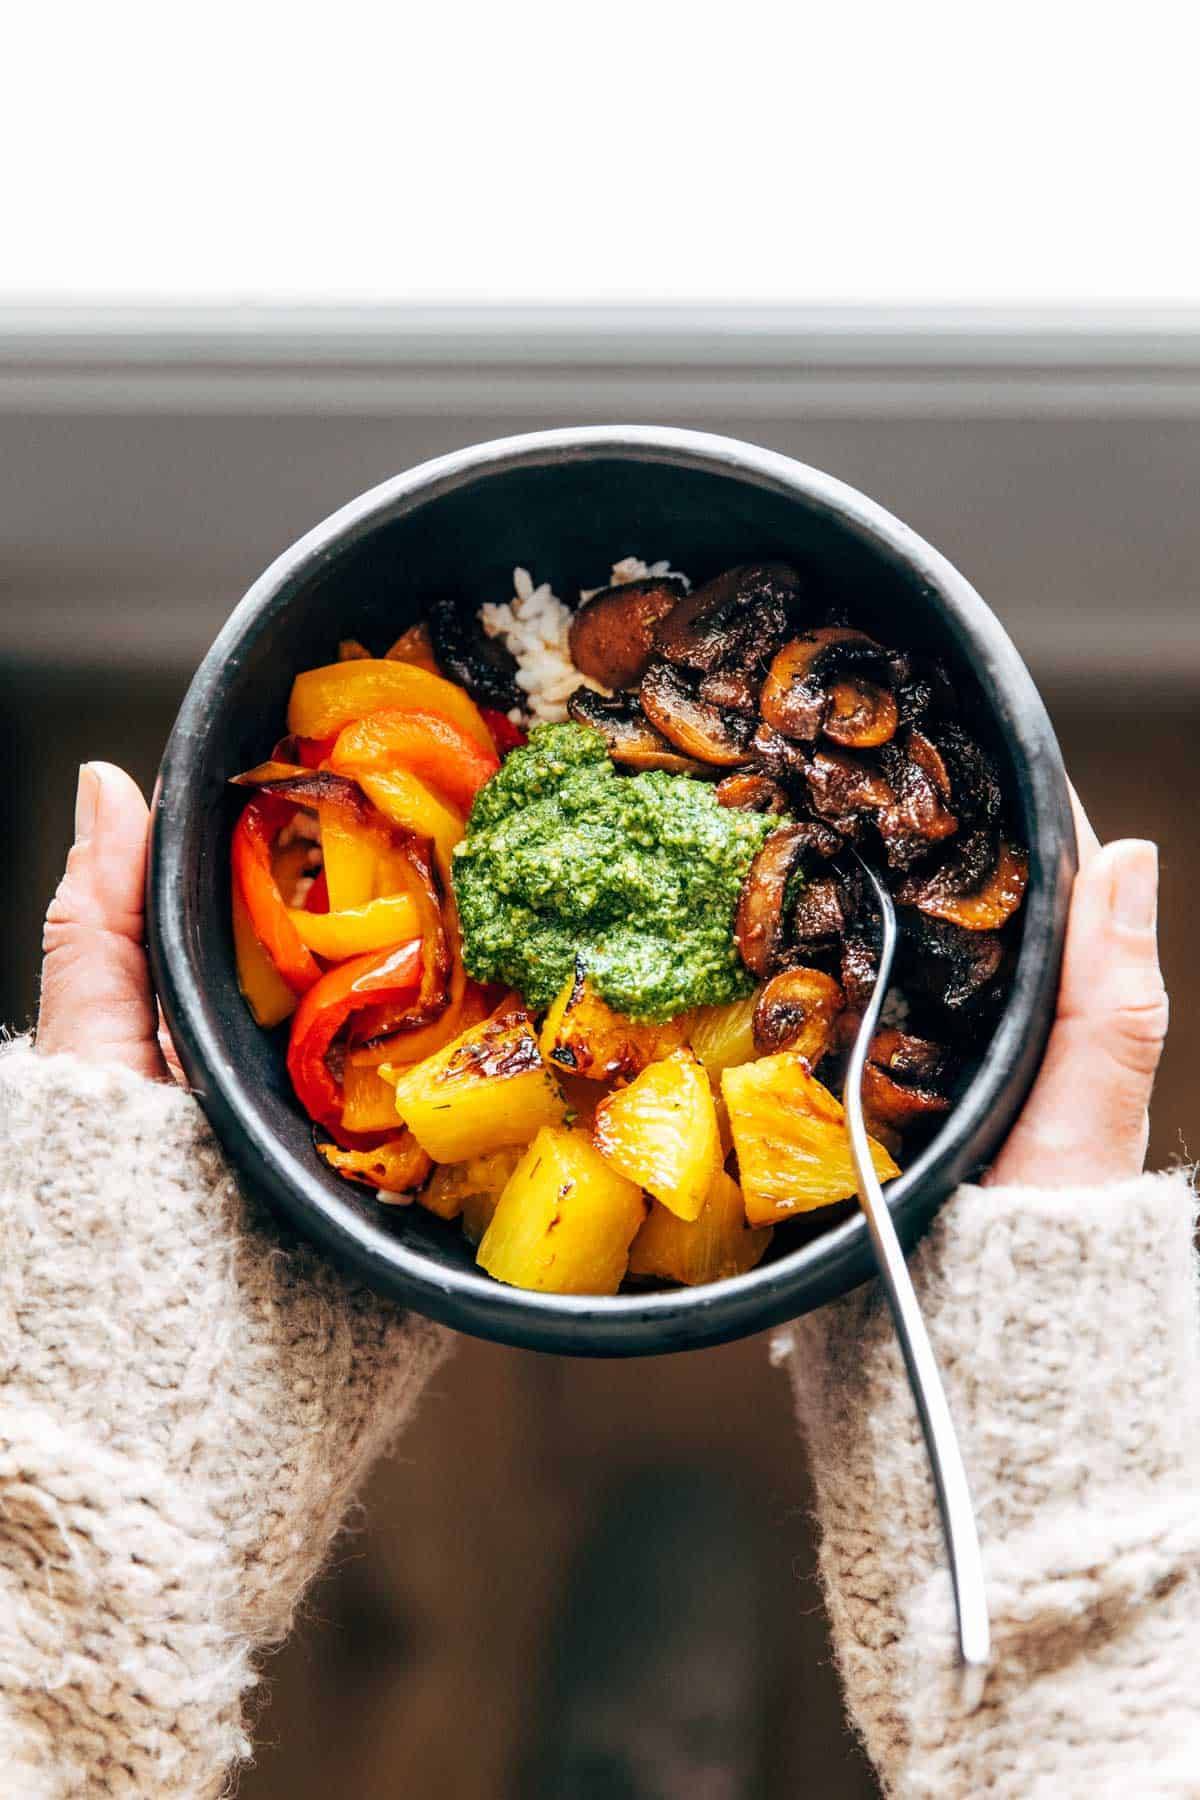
(187, 1401)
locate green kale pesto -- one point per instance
(636, 874)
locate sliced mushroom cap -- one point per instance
(917, 815)
(796, 696)
(612, 634)
(818, 912)
(861, 714)
(905, 1079)
(739, 619)
(908, 1058)
(731, 688)
(945, 964)
(974, 783)
(797, 1011)
(778, 757)
(890, 1101)
(693, 725)
(841, 785)
(632, 740)
(748, 791)
(759, 927)
(859, 968)
(963, 893)
(465, 653)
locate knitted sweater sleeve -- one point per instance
(187, 1401)
(1067, 1328)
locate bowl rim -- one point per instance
(677, 1318)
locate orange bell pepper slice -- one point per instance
(327, 700)
(253, 839)
(395, 1167)
(389, 977)
(427, 744)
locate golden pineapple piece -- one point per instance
(790, 1136)
(565, 1220)
(582, 1035)
(661, 1131)
(717, 1244)
(470, 1189)
(485, 1089)
(722, 1036)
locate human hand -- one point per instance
(97, 1001)
(1087, 1119)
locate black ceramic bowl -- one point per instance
(568, 503)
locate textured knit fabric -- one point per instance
(187, 1401)
(1067, 1328)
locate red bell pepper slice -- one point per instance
(254, 834)
(430, 746)
(380, 978)
(317, 898)
(505, 735)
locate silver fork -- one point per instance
(941, 1441)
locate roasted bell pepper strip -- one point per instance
(253, 837)
(439, 752)
(404, 799)
(389, 976)
(396, 1167)
(327, 700)
(266, 993)
(337, 935)
(414, 646)
(505, 735)
(368, 1103)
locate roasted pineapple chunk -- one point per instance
(470, 1189)
(661, 1131)
(790, 1136)
(717, 1244)
(487, 1088)
(582, 1035)
(722, 1036)
(565, 1220)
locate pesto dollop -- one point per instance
(636, 874)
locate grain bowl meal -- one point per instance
(553, 903)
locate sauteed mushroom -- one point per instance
(947, 965)
(832, 674)
(612, 634)
(797, 1011)
(738, 620)
(464, 652)
(695, 726)
(748, 791)
(901, 1077)
(632, 740)
(759, 927)
(979, 898)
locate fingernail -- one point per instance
(87, 799)
(1135, 886)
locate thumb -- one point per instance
(96, 996)
(1087, 1119)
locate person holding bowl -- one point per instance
(190, 1398)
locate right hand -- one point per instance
(1087, 1119)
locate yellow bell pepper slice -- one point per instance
(324, 700)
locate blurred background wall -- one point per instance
(153, 464)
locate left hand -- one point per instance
(97, 1001)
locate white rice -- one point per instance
(535, 626)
